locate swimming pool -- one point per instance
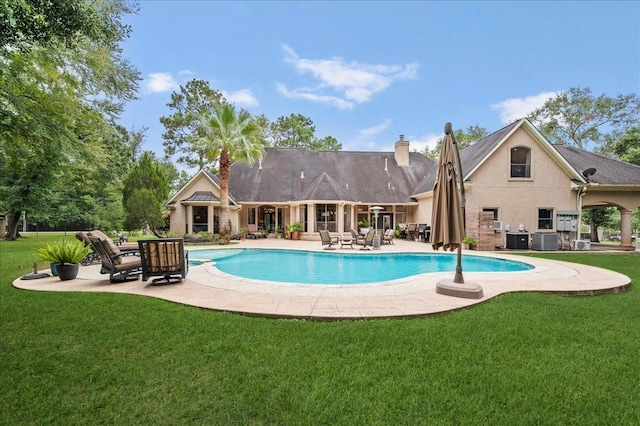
(310, 267)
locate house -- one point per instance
(515, 182)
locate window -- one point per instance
(303, 217)
(520, 162)
(326, 217)
(491, 210)
(251, 215)
(545, 218)
(200, 218)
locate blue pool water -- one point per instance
(294, 266)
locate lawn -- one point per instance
(527, 358)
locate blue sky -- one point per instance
(366, 72)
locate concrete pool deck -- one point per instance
(207, 287)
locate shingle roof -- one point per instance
(470, 156)
(608, 170)
(325, 189)
(362, 175)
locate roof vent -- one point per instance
(386, 169)
(302, 174)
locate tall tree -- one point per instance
(464, 138)
(182, 129)
(145, 191)
(298, 131)
(60, 92)
(577, 117)
(231, 136)
(624, 146)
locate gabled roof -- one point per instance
(325, 189)
(474, 155)
(284, 174)
(608, 170)
(186, 193)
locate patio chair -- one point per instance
(387, 238)
(252, 231)
(164, 258)
(328, 240)
(120, 268)
(368, 241)
(357, 238)
(412, 231)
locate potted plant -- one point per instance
(468, 242)
(294, 230)
(364, 225)
(66, 255)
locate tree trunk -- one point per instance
(225, 222)
(12, 226)
(594, 231)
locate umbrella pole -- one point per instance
(458, 278)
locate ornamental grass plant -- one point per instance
(523, 358)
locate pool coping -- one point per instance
(207, 287)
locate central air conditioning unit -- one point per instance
(581, 245)
(497, 225)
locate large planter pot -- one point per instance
(68, 271)
(295, 235)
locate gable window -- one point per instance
(545, 218)
(520, 162)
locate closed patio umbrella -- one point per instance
(447, 229)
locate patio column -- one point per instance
(189, 219)
(625, 227)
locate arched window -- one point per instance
(520, 162)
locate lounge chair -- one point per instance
(125, 248)
(252, 231)
(328, 240)
(164, 258)
(387, 238)
(368, 241)
(114, 262)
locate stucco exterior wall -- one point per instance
(518, 199)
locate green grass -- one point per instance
(526, 358)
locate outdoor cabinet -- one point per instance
(517, 241)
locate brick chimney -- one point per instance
(402, 152)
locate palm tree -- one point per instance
(234, 136)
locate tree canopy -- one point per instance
(182, 127)
(579, 118)
(298, 131)
(60, 93)
(463, 138)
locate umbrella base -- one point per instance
(468, 290)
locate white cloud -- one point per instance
(378, 128)
(161, 82)
(243, 98)
(516, 108)
(310, 95)
(348, 83)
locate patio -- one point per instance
(206, 287)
